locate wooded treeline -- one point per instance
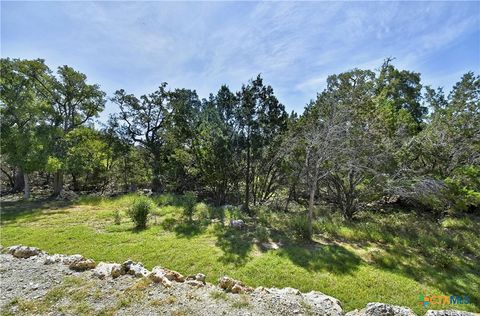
(370, 136)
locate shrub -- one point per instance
(117, 219)
(169, 223)
(217, 212)
(463, 195)
(165, 199)
(139, 212)
(262, 233)
(189, 202)
(203, 212)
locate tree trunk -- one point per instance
(311, 205)
(58, 183)
(26, 189)
(75, 184)
(19, 181)
(157, 186)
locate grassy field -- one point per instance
(391, 258)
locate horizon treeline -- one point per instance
(368, 136)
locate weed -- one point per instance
(242, 302)
(219, 295)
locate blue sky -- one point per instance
(202, 45)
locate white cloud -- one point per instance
(137, 45)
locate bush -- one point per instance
(299, 227)
(203, 211)
(139, 212)
(165, 199)
(189, 202)
(117, 219)
(262, 233)
(217, 212)
(463, 195)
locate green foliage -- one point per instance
(204, 212)
(189, 202)
(87, 156)
(462, 197)
(298, 225)
(140, 211)
(117, 218)
(380, 249)
(262, 233)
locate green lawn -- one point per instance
(391, 258)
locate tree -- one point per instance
(73, 103)
(260, 118)
(342, 150)
(22, 112)
(403, 91)
(178, 153)
(155, 121)
(215, 147)
(320, 135)
(86, 158)
(447, 150)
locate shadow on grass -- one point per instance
(438, 267)
(11, 211)
(184, 228)
(445, 257)
(314, 257)
(236, 244)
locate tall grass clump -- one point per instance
(139, 212)
(299, 227)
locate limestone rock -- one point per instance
(197, 277)
(237, 223)
(82, 265)
(104, 270)
(195, 283)
(158, 276)
(382, 309)
(322, 304)
(169, 274)
(135, 268)
(200, 277)
(68, 260)
(230, 285)
(55, 258)
(20, 251)
(285, 291)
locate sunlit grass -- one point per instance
(390, 258)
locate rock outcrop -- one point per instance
(382, 309)
(104, 270)
(234, 286)
(20, 251)
(82, 264)
(326, 304)
(134, 268)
